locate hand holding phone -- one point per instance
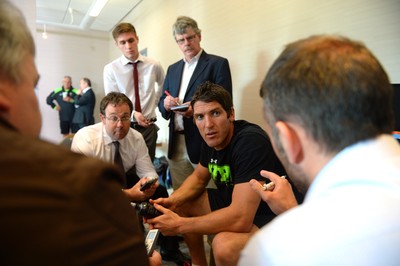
(149, 182)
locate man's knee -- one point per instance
(188, 209)
(196, 207)
(224, 250)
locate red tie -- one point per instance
(136, 87)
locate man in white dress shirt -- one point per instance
(327, 106)
(99, 141)
(119, 76)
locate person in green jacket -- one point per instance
(62, 100)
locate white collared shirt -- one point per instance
(350, 215)
(118, 76)
(186, 76)
(95, 142)
(85, 90)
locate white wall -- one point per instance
(28, 8)
(73, 55)
(252, 33)
(249, 33)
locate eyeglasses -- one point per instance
(116, 119)
(189, 39)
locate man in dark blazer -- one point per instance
(85, 100)
(181, 82)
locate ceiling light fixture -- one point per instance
(44, 34)
(71, 14)
(97, 7)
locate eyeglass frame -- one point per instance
(115, 119)
(188, 39)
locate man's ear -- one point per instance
(232, 115)
(291, 142)
(5, 103)
(102, 118)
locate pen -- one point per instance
(168, 94)
(270, 186)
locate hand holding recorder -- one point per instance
(278, 193)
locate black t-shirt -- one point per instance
(249, 152)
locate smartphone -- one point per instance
(148, 183)
(181, 108)
(151, 241)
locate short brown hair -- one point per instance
(123, 28)
(115, 98)
(334, 87)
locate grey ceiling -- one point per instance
(73, 14)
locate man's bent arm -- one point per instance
(238, 217)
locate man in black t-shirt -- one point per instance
(248, 152)
(235, 153)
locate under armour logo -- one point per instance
(213, 161)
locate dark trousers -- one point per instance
(150, 137)
(75, 127)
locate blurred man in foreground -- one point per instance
(55, 205)
(327, 104)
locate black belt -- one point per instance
(182, 132)
(136, 125)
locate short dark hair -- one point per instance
(123, 27)
(333, 87)
(115, 98)
(210, 92)
(88, 82)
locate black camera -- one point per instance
(147, 210)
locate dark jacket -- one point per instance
(84, 112)
(62, 208)
(67, 109)
(209, 68)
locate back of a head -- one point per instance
(182, 23)
(333, 87)
(16, 42)
(87, 81)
